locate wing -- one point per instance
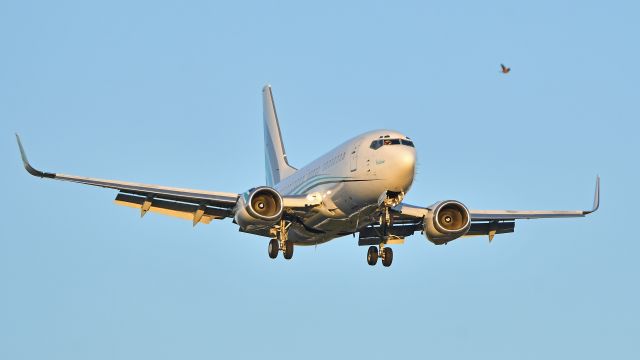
(196, 205)
(409, 218)
(503, 215)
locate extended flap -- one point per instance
(185, 211)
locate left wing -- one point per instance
(409, 218)
(196, 205)
(502, 215)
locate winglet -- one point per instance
(596, 197)
(28, 166)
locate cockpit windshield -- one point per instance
(376, 144)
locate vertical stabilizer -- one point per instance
(275, 158)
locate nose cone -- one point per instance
(402, 168)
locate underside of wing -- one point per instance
(196, 213)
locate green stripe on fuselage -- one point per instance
(313, 181)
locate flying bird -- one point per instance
(505, 70)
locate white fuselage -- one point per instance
(351, 179)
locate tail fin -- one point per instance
(275, 159)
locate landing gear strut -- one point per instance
(385, 221)
(386, 254)
(281, 241)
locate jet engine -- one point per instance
(260, 206)
(446, 221)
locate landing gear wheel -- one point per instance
(273, 248)
(372, 255)
(288, 250)
(387, 257)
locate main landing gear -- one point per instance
(273, 248)
(386, 254)
(281, 242)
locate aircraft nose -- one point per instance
(404, 167)
(407, 162)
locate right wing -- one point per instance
(196, 205)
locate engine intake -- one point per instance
(265, 204)
(447, 220)
(258, 207)
(451, 217)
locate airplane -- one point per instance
(356, 188)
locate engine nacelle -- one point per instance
(258, 207)
(446, 221)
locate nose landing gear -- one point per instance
(387, 257)
(387, 201)
(386, 254)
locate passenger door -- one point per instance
(354, 157)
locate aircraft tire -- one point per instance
(288, 250)
(387, 259)
(372, 255)
(273, 248)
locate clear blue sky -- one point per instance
(169, 93)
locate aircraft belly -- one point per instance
(330, 228)
(340, 203)
(346, 207)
